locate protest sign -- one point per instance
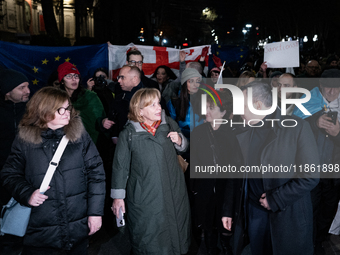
(282, 54)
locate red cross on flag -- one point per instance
(154, 56)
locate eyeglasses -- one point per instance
(62, 110)
(70, 76)
(132, 62)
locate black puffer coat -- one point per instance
(77, 187)
(11, 114)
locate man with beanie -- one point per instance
(14, 93)
(326, 129)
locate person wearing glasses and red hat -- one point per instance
(84, 101)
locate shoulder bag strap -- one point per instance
(53, 164)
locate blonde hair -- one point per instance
(142, 98)
(244, 78)
(43, 105)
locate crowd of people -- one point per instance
(126, 141)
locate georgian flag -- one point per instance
(154, 56)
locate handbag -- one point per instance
(14, 216)
(181, 161)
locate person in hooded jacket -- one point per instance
(147, 180)
(72, 207)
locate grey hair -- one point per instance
(196, 65)
(261, 92)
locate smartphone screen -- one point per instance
(120, 219)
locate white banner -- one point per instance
(282, 54)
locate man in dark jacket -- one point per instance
(135, 57)
(14, 93)
(275, 204)
(326, 129)
(130, 81)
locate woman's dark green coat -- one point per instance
(146, 173)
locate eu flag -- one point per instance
(38, 62)
(237, 54)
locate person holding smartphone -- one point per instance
(326, 129)
(147, 180)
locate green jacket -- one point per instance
(147, 174)
(90, 108)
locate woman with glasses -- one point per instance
(84, 101)
(72, 207)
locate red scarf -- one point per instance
(151, 129)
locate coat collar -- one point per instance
(33, 134)
(139, 128)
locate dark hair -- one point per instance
(227, 101)
(78, 92)
(184, 102)
(168, 71)
(53, 76)
(133, 52)
(101, 69)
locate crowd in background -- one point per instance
(138, 126)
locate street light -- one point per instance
(244, 31)
(305, 39)
(248, 25)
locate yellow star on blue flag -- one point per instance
(38, 62)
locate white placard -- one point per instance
(282, 54)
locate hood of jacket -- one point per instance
(32, 134)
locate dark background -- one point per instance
(120, 22)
